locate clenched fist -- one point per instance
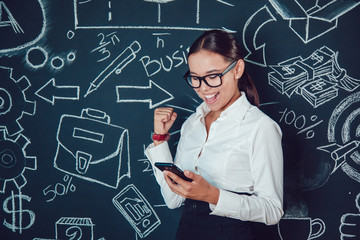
(350, 223)
(163, 120)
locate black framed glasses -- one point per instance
(212, 80)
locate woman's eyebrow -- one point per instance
(207, 72)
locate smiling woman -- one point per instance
(212, 80)
(228, 147)
(218, 97)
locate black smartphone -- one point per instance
(172, 168)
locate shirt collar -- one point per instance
(237, 109)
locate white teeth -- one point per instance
(210, 96)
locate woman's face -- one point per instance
(216, 98)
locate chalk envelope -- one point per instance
(91, 148)
(310, 22)
(310, 28)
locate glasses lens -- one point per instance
(193, 81)
(213, 80)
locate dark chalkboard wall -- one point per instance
(79, 81)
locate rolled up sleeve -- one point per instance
(162, 153)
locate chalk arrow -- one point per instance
(251, 29)
(152, 94)
(49, 92)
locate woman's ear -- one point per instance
(239, 68)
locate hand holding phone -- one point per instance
(172, 168)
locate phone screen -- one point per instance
(172, 168)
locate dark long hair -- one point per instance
(225, 44)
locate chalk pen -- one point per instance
(118, 64)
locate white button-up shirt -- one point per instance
(242, 154)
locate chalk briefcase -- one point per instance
(91, 148)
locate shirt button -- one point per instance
(196, 168)
(194, 206)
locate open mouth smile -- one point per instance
(210, 99)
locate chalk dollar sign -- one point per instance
(17, 213)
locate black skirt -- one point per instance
(196, 223)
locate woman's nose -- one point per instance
(204, 87)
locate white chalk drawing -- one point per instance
(181, 108)
(84, 6)
(13, 101)
(105, 40)
(301, 228)
(36, 51)
(117, 65)
(226, 3)
(57, 239)
(14, 160)
(148, 167)
(74, 228)
(20, 219)
(59, 189)
(159, 2)
(70, 34)
(17, 29)
(175, 60)
(160, 43)
(318, 91)
(251, 28)
(11, 21)
(50, 92)
(344, 146)
(197, 11)
(43, 238)
(57, 62)
(339, 153)
(137, 210)
(312, 22)
(146, 161)
(300, 122)
(110, 12)
(349, 223)
(91, 148)
(316, 78)
(71, 56)
(349, 102)
(152, 94)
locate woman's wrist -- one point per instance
(213, 196)
(160, 138)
